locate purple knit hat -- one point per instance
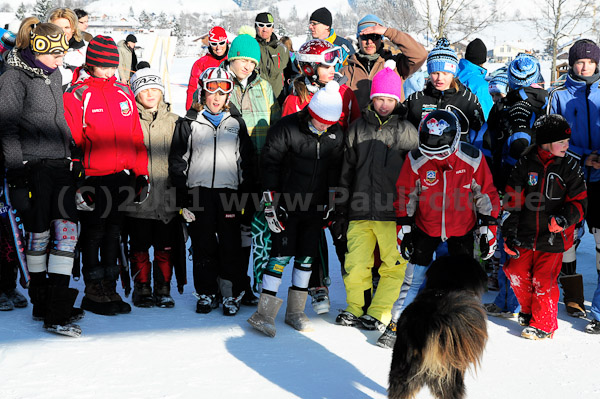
(584, 49)
(387, 82)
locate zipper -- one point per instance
(587, 104)
(537, 213)
(443, 235)
(212, 185)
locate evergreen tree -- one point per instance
(131, 13)
(163, 22)
(21, 12)
(41, 8)
(145, 20)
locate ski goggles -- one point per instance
(215, 44)
(329, 57)
(264, 24)
(440, 155)
(213, 86)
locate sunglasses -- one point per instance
(215, 44)
(264, 24)
(224, 86)
(314, 23)
(372, 37)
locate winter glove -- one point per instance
(556, 224)
(85, 199)
(77, 171)
(405, 243)
(338, 226)
(275, 215)
(187, 215)
(487, 241)
(19, 195)
(510, 247)
(141, 189)
(520, 115)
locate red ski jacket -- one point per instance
(105, 124)
(202, 64)
(350, 110)
(446, 197)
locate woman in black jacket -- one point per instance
(300, 163)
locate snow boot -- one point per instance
(593, 327)
(388, 338)
(320, 299)
(163, 271)
(206, 303)
(294, 313)
(347, 319)
(535, 333)
(231, 305)
(5, 303)
(18, 300)
(96, 301)
(142, 295)
(524, 319)
(58, 312)
(110, 288)
(572, 286)
(264, 318)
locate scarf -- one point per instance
(29, 58)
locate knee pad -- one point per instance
(276, 265)
(65, 235)
(37, 243)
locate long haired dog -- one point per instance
(442, 333)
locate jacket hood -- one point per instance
(535, 96)
(468, 68)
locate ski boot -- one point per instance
(320, 299)
(206, 303)
(388, 338)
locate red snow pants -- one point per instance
(533, 277)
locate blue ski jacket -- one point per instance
(579, 103)
(473, 76)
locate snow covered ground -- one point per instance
(176, 353)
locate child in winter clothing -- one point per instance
(153, 223)
(36, 145)
(212, 156)
(445, 92)
(545, 197)
(472, 74)
(309, 140)
(101, 113)
(375, 150)
(218, 45)
(445, 192)
(578, 101)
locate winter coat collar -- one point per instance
(13, 59)
(433, 92)
(146, 115)
(468, 68)
(272, 42)
(574, 86)
(371, 117)
(533, 95)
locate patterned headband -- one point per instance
(51, 44)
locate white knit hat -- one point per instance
(144, 79)
(326, 104)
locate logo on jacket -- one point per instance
(437, 127)
(96, 110)
(533, 178)
(125, 109)
(431, 176)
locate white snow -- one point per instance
(176, 353)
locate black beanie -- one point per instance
(322, 15)
(264, 17)
(551, 128)
(476, 52)
(131, 38)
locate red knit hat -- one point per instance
(102, 52)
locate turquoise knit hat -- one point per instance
(244, 47)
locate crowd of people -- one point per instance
(275, 147)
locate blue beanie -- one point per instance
(499, 83)
(442, 58)
(366, 21)
(523, 71)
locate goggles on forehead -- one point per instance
(213, 86)
(51, 44)
(264, 24)
(215, 44)
(328, 57)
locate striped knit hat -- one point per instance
(7, 40)
(102, 52)
(499, 83)
(442, 58)
(523, 71)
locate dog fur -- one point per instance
(442, 333)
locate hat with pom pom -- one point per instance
(326, 105)
(387, 82)
(523, 71)
(442, 58)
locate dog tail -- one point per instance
(457, 337)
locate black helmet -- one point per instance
(439, 134)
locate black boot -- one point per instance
(58, 313)
(96, 300)
(110, 287)
(142, 295)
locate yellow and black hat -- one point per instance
(50, 44)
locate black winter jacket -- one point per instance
(537, 190)
(462, 102)
(31, 114)
(373, 156)
(300, 164)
